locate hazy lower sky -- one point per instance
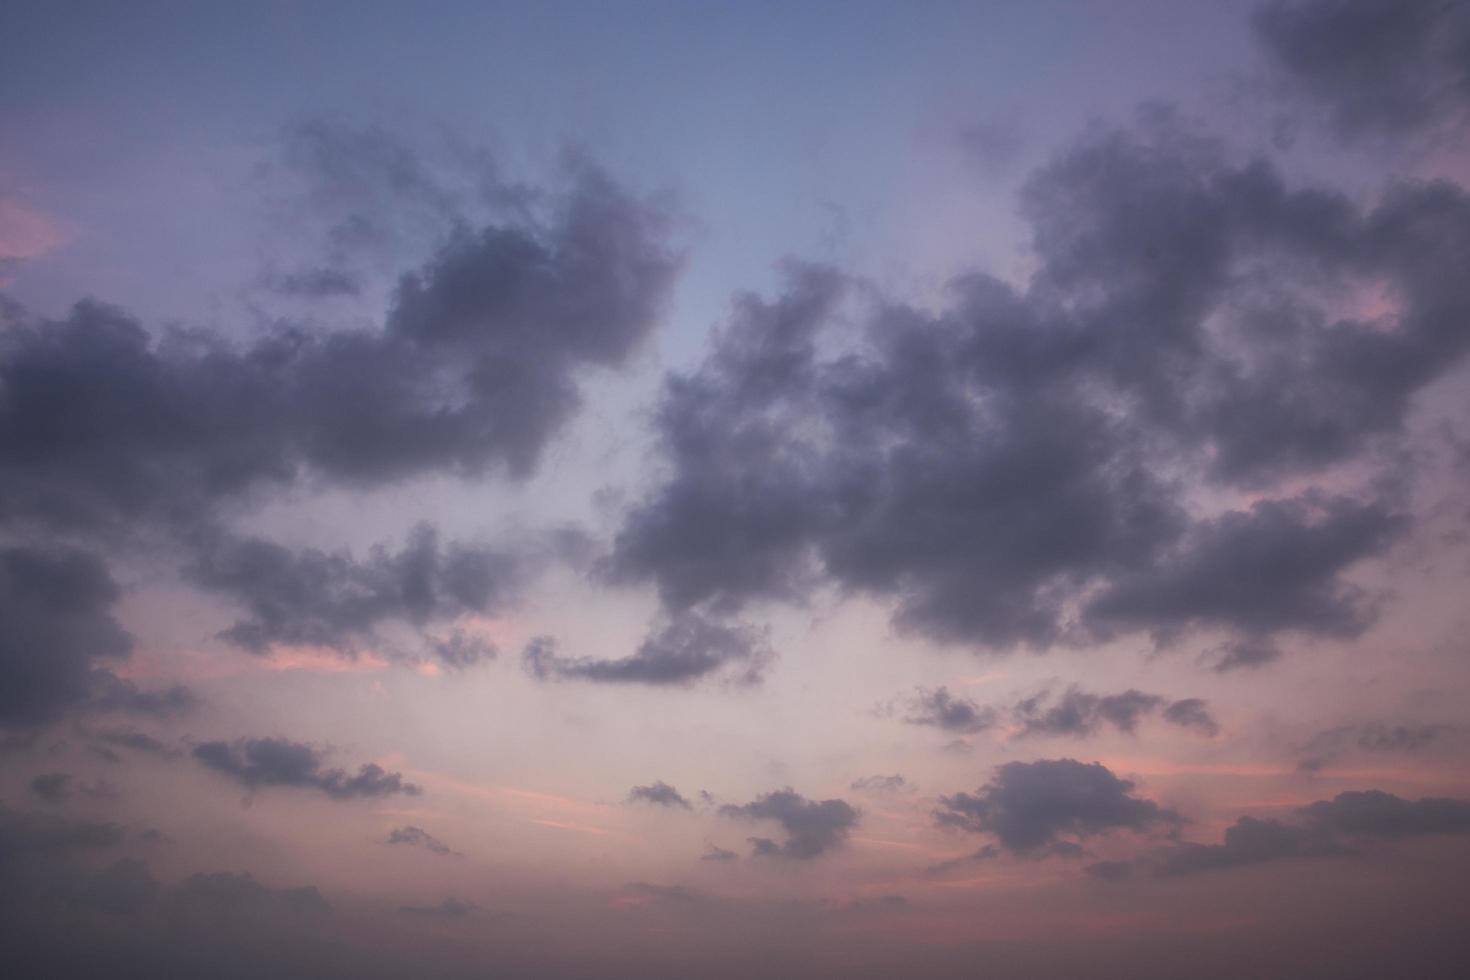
(734, 490)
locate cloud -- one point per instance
(44, 856)
(1248, 841)
(1079, 713)
(56, 628)
(1327, 828)
(310, 597)
(939, 708)
(475, 367)
(40, 832)
(1324, 747)
(880, 785)
(1032, 807)
(1390, 69)
(417, 837)
(112, 694)
(685, 649)
(812, 828)
(734, 522)
(1192, 713)
(659, 794)
(52, 787)
(1023, 466)
(107, 739)
(1272, 568)
(461, 651)
(258, 763)
(450, 908)
(1373, 813)
(715, 853)
(316, 283)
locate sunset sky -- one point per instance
(729, 490)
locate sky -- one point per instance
(630, 490)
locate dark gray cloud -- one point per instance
(52, 787)
(735, 520)
(1326, 828)
(1081, 713)
(56, 629)
(460, 650)
(812, 827)
(1022, 467)
(44, 856)
(316, 598)
(939, 708)
(1032, 807)
(1274, 567)
(418, 837)
(1373, 813)
(659, 793)
(1248, 841)
(688, 647)
(259, 763)
(1192, 713)
(475, 368)
(1387, 68)
(1323, 748)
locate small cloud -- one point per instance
(417, 837)
(716, 853)
(257, 763)
(659, 794)
(880, 785)
(938, 708)
(813, 828)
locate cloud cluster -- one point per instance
(260, 763)
(111, 432)
(1322, 829)
(315, 598)
(475, 367)
(1026, 466)
(812, 827)
(1047, 806)
(1081, 713)
(1076, 713)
